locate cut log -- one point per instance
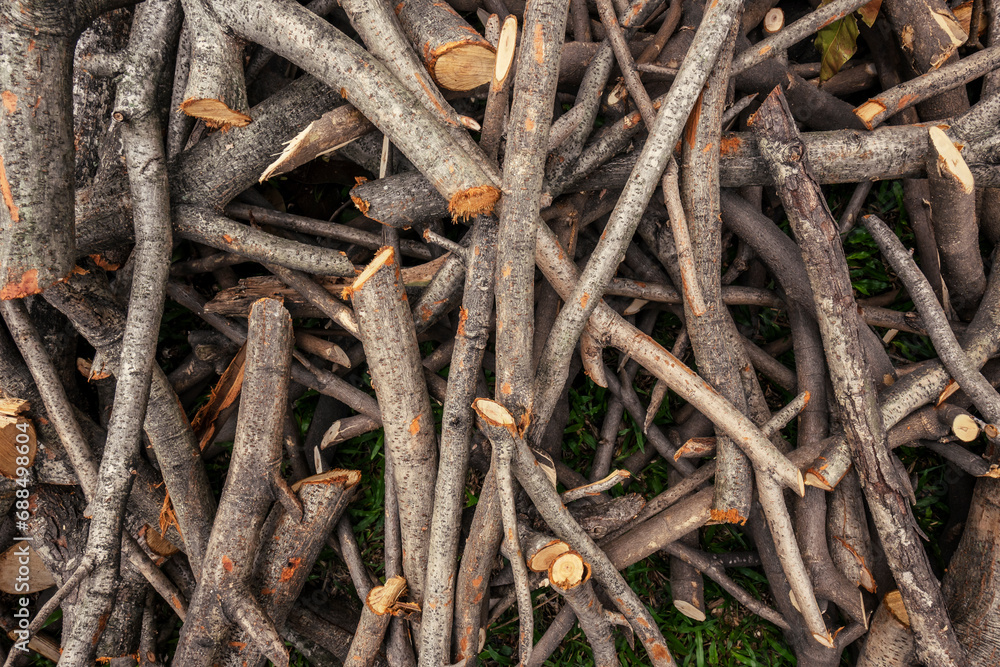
(457, 56)
(223, 596)
(216, 91)
(390, 344)
(890, 642)
(953, 215)
(774, 21)
(18, 442)
(23, 572)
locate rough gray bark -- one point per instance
(385, 322)
(289, 550)
(456, 440)
(816, 232)
(587, 293)
(528, 133)
(154, 26)
(223, 597)
(37, 243)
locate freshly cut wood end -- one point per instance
(215, 113)
(16, 433)
(332, 434)
(291, 148)
(39, 577)
(695, 448)
(463, 65)
(727, 516)
(478, 200)
(13, 406)
(815, 478)
(493, 412)
(382, 599)
(946, 393)
(774, 21)
(547, 465)
(957, 36)
(505, 51)
(893, 601)
(689, 610)
(949, 161)
(543, 558)
(867, 580)
(965, 428)
(826, 640)
(157, 543)
(636, 306)
(385, 257)
(346, 478)
(868, 111)
(568, 570)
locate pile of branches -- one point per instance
(630, 163)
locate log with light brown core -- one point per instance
(382, 599)
(506, 47)
(12, 579)
(17, 435)
(540, 558)
(774, 21)
(568, 570)
(890, 643)
(457, 56)
(961, 423)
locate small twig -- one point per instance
(679, 227)
(446, 243)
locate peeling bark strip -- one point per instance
(318, 47)
(457, 56)
(223, 596)
(817, 235)
(390, 343)
(523, 170)
(215, 91)
(37, 236)
(289, 551)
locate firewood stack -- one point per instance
(289, 227)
